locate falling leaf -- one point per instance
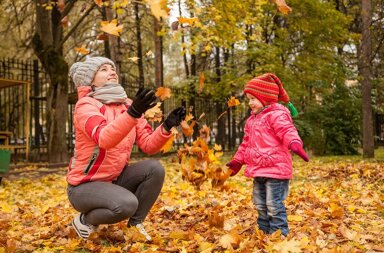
(283, 7)
(154, 114)
(82, 50)
(111, 27)
(201, 82)
(233, 102)
(168, 145)
(189, 21)
(163, 93)
(64, 21)
(149, 54)
(158, 8)
(187, 129)
(103, 37)
(99, 3)
(60, 5)
(134, 59)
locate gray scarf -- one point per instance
(109, 93)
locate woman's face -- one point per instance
(105, 74)
(254, 103)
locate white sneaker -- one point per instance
(83, 230)
(142, 231)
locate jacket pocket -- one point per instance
(91, 161)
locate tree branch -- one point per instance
(68, 7)
(75, 26)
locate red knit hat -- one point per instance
(267, 88)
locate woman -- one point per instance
(102, 185)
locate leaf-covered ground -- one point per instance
(334, 205)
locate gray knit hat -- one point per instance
(83, 73)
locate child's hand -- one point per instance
(174, 118)
(297, 148)
(234, 166)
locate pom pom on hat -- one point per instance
(268, 89)
(83, 73)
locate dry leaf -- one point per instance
(154, 114)
(82, 50)
(111, 27)
(99, 3)
(158, 8)
(168, 145)
(163, 93)
(201, 82)
(189, 21)
(283, 7)
(233, 102)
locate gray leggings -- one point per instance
(131, 196)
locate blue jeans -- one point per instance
(269, 195)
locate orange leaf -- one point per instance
(283, 7)
(163, 93)
(99, 3)
(168, 145)
(82, 50)
(154, 114)
(188, 117)
(201, 82)
(111, 27)
(187, 129)
(233, 102)
(189, 21)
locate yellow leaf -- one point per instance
(295, 218)
(228, 241)
(189, 21)
(6, 208)
(285, 246)
(111, 27)
(82, 50)
(158, 8)
(283, 7)
(188, 117)
(163, 93)
(134, 59)
(168, 145)
(154, 114)
(233, 102)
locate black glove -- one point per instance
(175, 118)
(144, 100)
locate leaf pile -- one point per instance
(333, 206)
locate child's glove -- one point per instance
(174, 118)
(144, 100)
(297, 148)
(234, 166)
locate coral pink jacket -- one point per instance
(264, 149)
(105, 134)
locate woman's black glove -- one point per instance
(175, 118)
(144, 100)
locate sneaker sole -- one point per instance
(77, 231)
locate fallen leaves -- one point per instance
(329, 210)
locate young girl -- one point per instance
(269, 135)
(102, 184)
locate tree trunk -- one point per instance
(159, 80)
(139, 45)
(47, 47)
(113, 41)
(366, 74)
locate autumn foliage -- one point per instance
(333, 206)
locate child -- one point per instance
(269, 135)
(102, 184)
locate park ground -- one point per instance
(335, 204)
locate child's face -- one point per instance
(105, 74)
(254, 103)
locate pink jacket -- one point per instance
(264, 149)
(105, 134)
